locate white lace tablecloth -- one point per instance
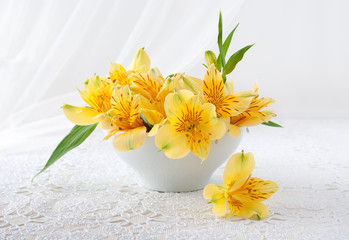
(90, 194)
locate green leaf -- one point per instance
(204, 65)
(74, 138)
(272, 124)
(235, 59)
(226, 45)
(219, 63)
(219, 40)
(227, 41)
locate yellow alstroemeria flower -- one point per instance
(96, 94)
(140, 64)
(148, 85)
(240, 193)
(253, 115)
(192, 126)
(153, 90)
(227, 104)
(124, 117)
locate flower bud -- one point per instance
(141, 62)
(210, 58)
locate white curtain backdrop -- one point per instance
(48, 48)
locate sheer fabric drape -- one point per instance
(48, 48)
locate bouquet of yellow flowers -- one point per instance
(183, 114)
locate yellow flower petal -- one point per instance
(146, 85)
(171, 142)
(156, 128)
(209, 116)
(199, 145)
(254, 118)
(221, 95)
(141, 62)
(219, 130)
(210, 190)
(170, 85)
(219, 207)
(246, 94)
(152, 116)
(175, 102)
(215, 127)
(213, 87)
(192, 84)
(80, 115)
(111, 133)
(262, 103)
(253, 210)
(228, 88)
(255, 88)
(216, 197)
(93, 83)
(130, 140)
(125, 105)
(97, 93)
(267, 115)
(238, 170)
(104, 122)
(231, 105)
(146, 103)
(156, 74)
(118, 74)
(256, 189)
(234, 131)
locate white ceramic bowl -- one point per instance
(160, 173)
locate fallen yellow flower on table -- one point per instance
(239, 192)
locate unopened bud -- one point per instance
(210, 58)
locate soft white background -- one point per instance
(48, 48)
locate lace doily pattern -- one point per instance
(90, 194)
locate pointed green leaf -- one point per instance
(74, 138)
(235, 59)
(226, 45)
(227, 41)
(219, 40)
(219, 63)
(272, 124)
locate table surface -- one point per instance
(90, 194)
